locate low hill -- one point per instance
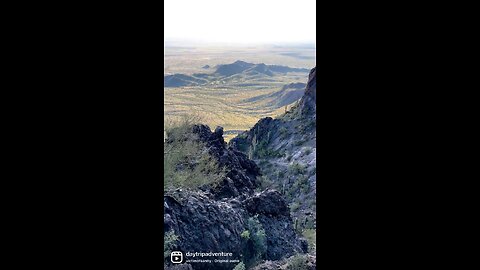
(234, 68)
(179, 80)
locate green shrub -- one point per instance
(309, 223)
(294, 206)
(300, 142)
(303, 184)
(283, 132)
(297, 262)
(256, 247)
(187, 163)
(299, 185)
(239, 266)
(310, 236)
(263, 152)
(297, 168)
(258, 236)
(169, 240)
(245, 234)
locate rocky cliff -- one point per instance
(214, 218)
(307, 105)
(285, 150)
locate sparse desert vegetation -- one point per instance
(187, 165)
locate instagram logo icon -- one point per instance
(176, 257)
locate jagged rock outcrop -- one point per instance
(269, 202)
(274, 215)
(241, 171)
(213, 219)
(205, 225)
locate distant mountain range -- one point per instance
(223, 71)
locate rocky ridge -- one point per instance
(285, 150)
(213, 219)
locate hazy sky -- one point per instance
(241, 21)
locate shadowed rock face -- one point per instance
(204, 224)
(288, 142)
(212, 219)
(274, 215)
(307, 105)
